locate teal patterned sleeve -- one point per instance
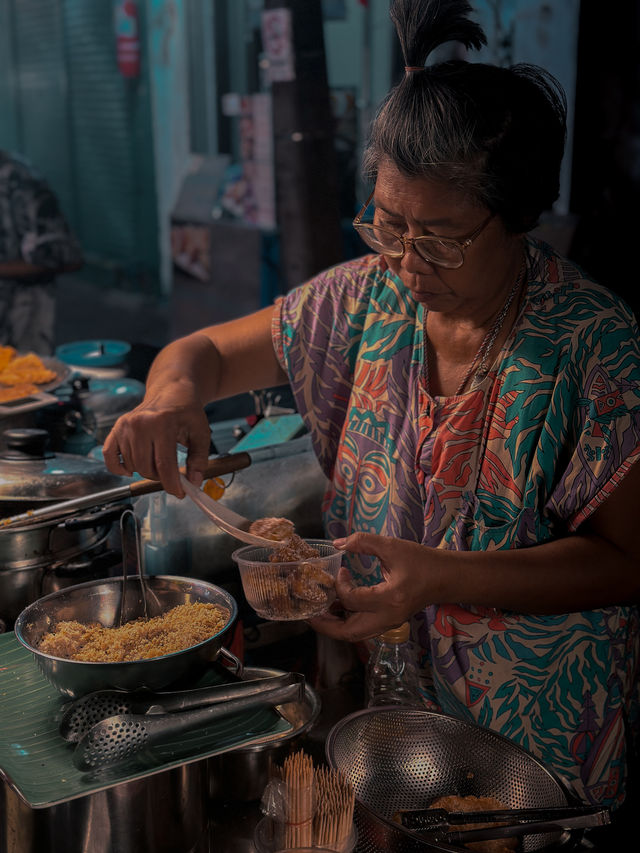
(597, 397)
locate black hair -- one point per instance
(498, 134)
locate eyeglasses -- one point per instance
(442, 251)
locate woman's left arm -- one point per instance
(597, 566)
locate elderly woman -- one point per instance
(474, 400)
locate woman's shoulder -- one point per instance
(347, 286)
(556, 284)
(365, 271)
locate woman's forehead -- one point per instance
(418, 198)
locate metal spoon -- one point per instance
(82, 714)
(121, 737)
(225, 518)
(132, 560)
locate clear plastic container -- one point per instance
(289, 590)
(267, 840)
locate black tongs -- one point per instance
(437, 824)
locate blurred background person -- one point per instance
(36, 244)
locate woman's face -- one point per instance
(414, 207)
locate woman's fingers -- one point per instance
(354, 597)
(365, 609)
(145, 441)
(371, 544)
(372, 609)
(113, 456)
(351, 627)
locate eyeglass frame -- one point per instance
(461, 243)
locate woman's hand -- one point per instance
(407, 586)
(144, 440)
(213, 363)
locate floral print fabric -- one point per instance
(523, 457)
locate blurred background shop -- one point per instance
(206, 152)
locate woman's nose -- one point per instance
(411, 260)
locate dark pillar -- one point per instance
(305, 166)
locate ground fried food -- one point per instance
(310, 582)
(177, 629)
(293, 549)
(277, 529)
(283, 592)
(477, 804)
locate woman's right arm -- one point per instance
(188, 373)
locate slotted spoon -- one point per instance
(81, 715)
(121, 737)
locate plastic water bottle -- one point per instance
(392, 673)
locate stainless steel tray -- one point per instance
(43, 396)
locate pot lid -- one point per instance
(98, 353)
(29, 471)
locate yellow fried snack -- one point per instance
(17, 392)
(26, 368)
(6, 354)
(214, 488)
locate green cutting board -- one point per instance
(37, 762)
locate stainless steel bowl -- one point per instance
(99, 601)
(400, 758)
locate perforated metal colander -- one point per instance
(399, 758)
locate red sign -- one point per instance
(127, 38)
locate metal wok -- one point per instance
(99, 601)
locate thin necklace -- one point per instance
(480, 358)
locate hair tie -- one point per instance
(411, 69)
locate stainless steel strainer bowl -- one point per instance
(399, 758)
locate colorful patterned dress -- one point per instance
(522, 458)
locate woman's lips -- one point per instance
(425, 295)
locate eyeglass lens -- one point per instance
(430, 249)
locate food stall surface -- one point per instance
(42, 789)
(166, 799)
(167, 802)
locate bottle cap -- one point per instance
(396, 635)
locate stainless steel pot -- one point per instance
(242, 774)
(165, 813)
(34, 558)
(47, 557)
